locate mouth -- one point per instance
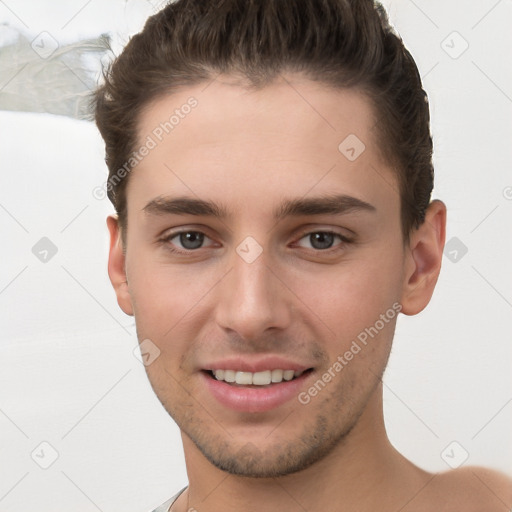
(261, 379)
(255, 392)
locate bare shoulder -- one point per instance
(476, 489)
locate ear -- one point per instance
(116, 266)
(423, 259)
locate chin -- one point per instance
(266, 458)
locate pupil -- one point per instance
(191, 240)
(321, 240)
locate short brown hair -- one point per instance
(341, 43)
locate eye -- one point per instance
(321, 240)
(189, 240)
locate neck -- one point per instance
(364, 472)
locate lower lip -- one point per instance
(245, 399)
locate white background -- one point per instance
(68, 375)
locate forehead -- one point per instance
(292, 136)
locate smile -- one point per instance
(254, 392)
(262, 378)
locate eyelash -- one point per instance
(343, 239)
(166, 240)
(187, 252)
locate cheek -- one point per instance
(165, 297)
(351, 298)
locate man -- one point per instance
(270, 165)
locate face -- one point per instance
(257, 249)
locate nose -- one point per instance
(252, 301)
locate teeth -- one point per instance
(277, 375)
(229, 375)
(288, 374)
(243, 378)
(263, 378)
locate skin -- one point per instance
(248, 152)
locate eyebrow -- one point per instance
(184, 206)
(324, 205)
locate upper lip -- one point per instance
(245, 364)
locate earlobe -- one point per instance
(117, 267)
(423, 259)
